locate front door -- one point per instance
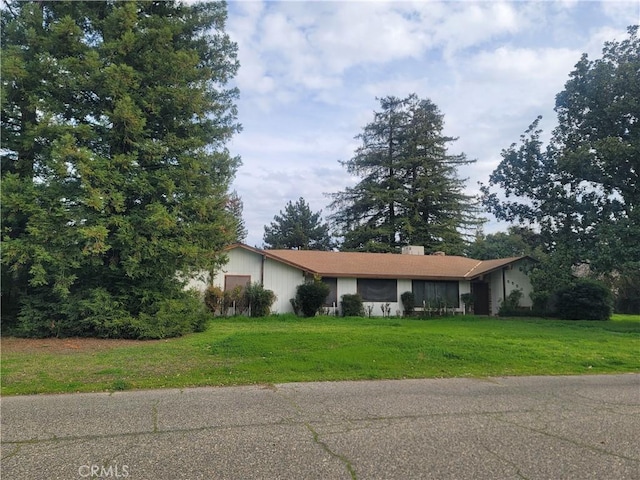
(480, 291)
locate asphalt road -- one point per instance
(585, 427)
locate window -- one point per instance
(332, 298)
(436, 293)
(378, 290)
(233, 281)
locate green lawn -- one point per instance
(279, 349)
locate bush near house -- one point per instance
(310, 297)
(214, 298)
(102, 315)
(235, 300)
(408, 303)
(259, 299)
(352, 305)
(468, 299)
(584, 299)
(511, 305)
(174, 318)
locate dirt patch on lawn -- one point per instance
(65, 345)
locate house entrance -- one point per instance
(480, 291)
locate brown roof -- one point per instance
(384, 265)
(486, 266)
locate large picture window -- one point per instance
(436, 294)
(378, 290)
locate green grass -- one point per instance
(280, 349)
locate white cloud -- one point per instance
(471, 24)
(627, 12)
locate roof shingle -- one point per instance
(384, 265)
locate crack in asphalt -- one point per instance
(326, 448)
(143, 432)
(12, 454)
(154, 415)
(568, 440)
(316, 436)
(505, 460)
(156, 430)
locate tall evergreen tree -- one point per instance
(410, 192)
(235, 206)
(298, 228)
(115, 173)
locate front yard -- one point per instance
(277, 349)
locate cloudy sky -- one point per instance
(311, 71)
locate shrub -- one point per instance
(468, 300)
(235, 299)
(174, 317)
(98, 313)
(627, 287)
(259, 299)
(91, 313)
(295, 305)
(213, 298)
(351, 305)
(408, 302)
(510, 304)
(584, 299)
(310, 297)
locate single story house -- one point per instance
(380, 278)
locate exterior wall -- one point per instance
(346, 286)
(241, 262)
(350, 286)
(282, 280)
(515, 278)
(495, 292)
(198, 283)
(464, 286)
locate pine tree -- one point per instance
(298, 228)
(115, 173)
(410, 192)
(235, 206)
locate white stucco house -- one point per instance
(380, 278)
